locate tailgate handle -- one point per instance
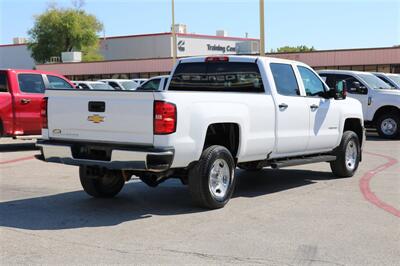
(97, 107)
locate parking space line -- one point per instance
(366, 189)
(17, 160)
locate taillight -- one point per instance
(217, 59)
(43, 112)
(164, 118)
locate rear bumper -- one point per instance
(110, 156)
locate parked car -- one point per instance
(157, 83)
(139, 81)
(217, 113)
(121, 84)
(21, 94)
(380, 101)
(92, 85)
(392, 80)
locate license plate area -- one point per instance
(89, 152)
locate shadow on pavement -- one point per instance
(137, 201)
(11, 147)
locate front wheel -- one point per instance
(101, 184)
(211, 181)
(348, 155)
(388, 125)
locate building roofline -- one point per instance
(13, 44)
(340, 50)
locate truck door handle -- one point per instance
(25, 101)
(283, 106)
(314, 106)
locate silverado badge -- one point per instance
(95, 118)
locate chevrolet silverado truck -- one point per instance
(217, 113)
(380, 101)
(21, 94)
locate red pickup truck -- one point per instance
(21, 94)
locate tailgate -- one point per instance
(104, 116)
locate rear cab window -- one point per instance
(31, 83)
(217, 76)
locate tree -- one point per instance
(60, 30)
(291, 49)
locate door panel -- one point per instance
(292, 125)
(324, 123)
(292, 119)
(28, 104)
(324, 113)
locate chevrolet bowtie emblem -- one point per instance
(95, 118)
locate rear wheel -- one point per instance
(348, 155)
(101, 184)
(388, 125)
(211, 181)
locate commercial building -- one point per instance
(146, 55)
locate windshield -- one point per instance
(101, 86)
(395, 78)
(129, 85)
(374, 82)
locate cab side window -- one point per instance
(285, 80)
(3, 82)
(312, 84)
(84, 86)
(58, 83)
(114, 85)
(151, 85)
(31, 83)
(333, 79)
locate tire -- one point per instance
(350, 147)
(213, 191)
(105, 185)
(250, 166)
(388, 125)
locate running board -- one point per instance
(298, 161)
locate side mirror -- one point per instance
(357, 88)
(340, 91)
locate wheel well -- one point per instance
(385, 109)
(354, 125)
(224, 134)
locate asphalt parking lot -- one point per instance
(297, 216)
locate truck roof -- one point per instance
(29, 71)
(239, 58)
(337, 71)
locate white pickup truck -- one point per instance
(216, 113)
(380, 102)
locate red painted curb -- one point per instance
(18, 160)
(365, 185)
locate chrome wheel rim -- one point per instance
(219, 179)
(389, 126)
(351, 155)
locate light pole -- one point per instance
(262, 35)
(174, 51)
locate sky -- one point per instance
(324, 24)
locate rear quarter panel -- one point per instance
(253, 112)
